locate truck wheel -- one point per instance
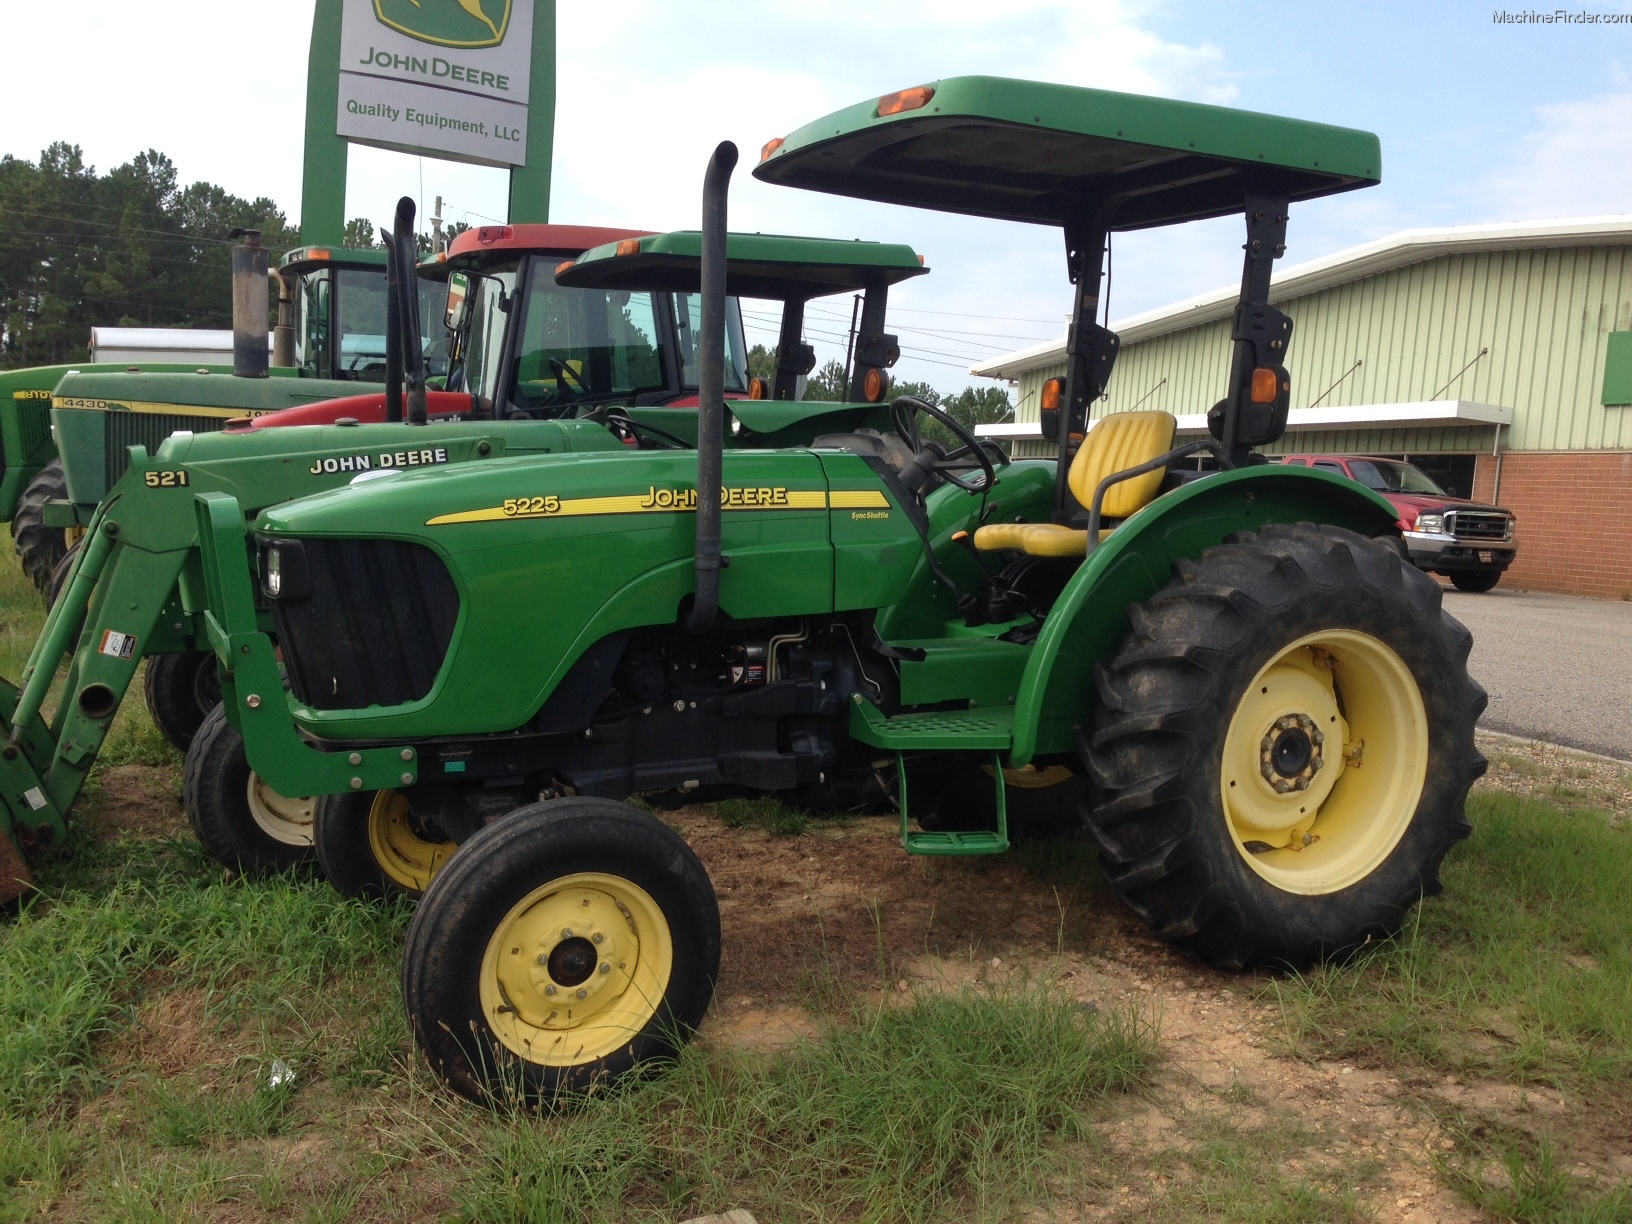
(371, 845)
(244, 824)
(181, 689)
(1283, 747)
(565, 946)
(1475, 582)
(39, 547)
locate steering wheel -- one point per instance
(566, 374)
(902, 416)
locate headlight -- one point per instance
(1508, 534)
(1431, 522)
(285, 574)
(272, 573)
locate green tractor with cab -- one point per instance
(1271, 709)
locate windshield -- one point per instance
(580, 344)
(353, 299)
(1387, 476)
(688, 319)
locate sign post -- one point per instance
(460, 80)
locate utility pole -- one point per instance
(436, 229)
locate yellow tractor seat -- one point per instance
(1114, 444)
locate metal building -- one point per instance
(1496, 357)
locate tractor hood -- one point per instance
(214, 395)
(774, 266)
(1048, 154)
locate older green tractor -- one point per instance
(1271, 708)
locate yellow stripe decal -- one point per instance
(664, 501)
(79, 403)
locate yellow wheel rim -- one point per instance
(1029, 777)
(72, 535)
(406, 858)
(280, 817)
(1324, 762)
(575, 969)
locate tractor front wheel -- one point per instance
(39, 547)
(244, 824)
(1283, 747)
(566, 945)
(181, 690)
(372, 845)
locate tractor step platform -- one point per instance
(988, 730)
(982, 841)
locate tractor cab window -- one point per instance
(1389, 477)
(492, 295)
(688, 320)
(584, 344)
(359, 320)
(312, 335)
(433, 336)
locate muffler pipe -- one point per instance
(711, 390)
(410, 345)
(249, 305)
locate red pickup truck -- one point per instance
(1470, 543)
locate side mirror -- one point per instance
(458, 302)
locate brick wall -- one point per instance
(1574, 513)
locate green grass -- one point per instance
(1522, 970)
(1515, 1177)
(951, 1107)
(763, 812)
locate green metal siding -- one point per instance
(1545, 316)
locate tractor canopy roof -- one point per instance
(772, 266)
(309, 258)
(1058, 154)
(487, 244)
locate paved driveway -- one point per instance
(1557, 667)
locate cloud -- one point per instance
(1577, 163)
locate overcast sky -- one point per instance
(1478, 121)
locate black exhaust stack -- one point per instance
(249, 305)
(404, 354)
(711, 390)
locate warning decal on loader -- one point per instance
(117, 645)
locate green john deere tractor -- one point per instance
(1271, 708)
(61, 453)
(137, 591)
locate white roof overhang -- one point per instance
(1419, 414)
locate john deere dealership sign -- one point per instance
(448, 77)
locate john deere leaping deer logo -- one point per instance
(447, 23)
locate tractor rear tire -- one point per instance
(1283, 748)
(1475, 582)
(181, 690)
(244, 824)
(39, 547)
(370, 846)
(580, 906)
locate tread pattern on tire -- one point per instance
(39, 548)
(344, 851)
(1165, 699)
(492, 871)
(214, 790)
(170, 690)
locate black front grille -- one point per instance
(1479, 525)
(375, 626)
(33, 426)
(125, 429)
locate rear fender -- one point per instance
(1089, 621)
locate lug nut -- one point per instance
(679, 706)
(598, 937)
(566, 932)
(549, 990)
(543, 958)
(606, 967)
(583, 994)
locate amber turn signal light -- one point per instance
(629, 246)
(915, 98)
(875, 384)
(1265, 385)
(771, 146)
(756, 389)
(564, 265)
(1052, 393)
